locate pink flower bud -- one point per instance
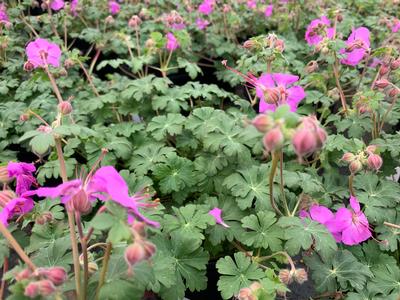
(249, 44)
(138, 229)
(348, 157)
(28, 66)
(382, 83)
(304, 142)
(24, 117)
(134, 22)
(395, 64)
(32, 290)
(321, 137)
(44, 218)
(255, 286)
(24, 274)
(371, 149)
(245, 294)
(134, 254)
(271, 95)
(65, 107)
(57, 275)
(46, 287)
(149, 248)
(285, 276)
(80, 202)
(226, 8)
(262, 122)
(384, 70)
(279, 45)
(300, 276)
(355, 166)
(45, 129)
(394, 92)
(273, 139)
(374, 162)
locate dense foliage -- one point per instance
(255, 139)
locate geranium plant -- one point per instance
(204, 149)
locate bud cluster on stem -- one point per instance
(366, 158)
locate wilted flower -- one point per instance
(113, 7)
(172, 42)
(57, 4)
(41, 52)
(357, 46)
(317, 30)
(201, 23)
(217, 215)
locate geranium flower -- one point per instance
(22, 172)
(217, 214)
(11, 206)
(268, 10)
(41, 52)
(3, 15)
(57, 4)
(114, 7)
(317, 30)
(206, 7)
(106, 184)
(352, 223)
(273, 91)
(324, 216)
(201, 23)
(395, 25)
(172, 42)
(357, 45)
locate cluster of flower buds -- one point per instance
(249, 293)
(271, 41)
(174, 20)
(273, 135)
(308, 137)
(362, 104)
(383, 81)
(368, 158)
(141, 249)
(43, 281)
(288, 276)
(134, 22)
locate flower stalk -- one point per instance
(275, 159)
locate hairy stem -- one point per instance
(84, 254)
(281, 184)
(351, 189)
(338, 85)
(275, 159)
(104, 269)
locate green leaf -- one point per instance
(262, 231)
(343, 270)
(236, 274)
(191, 68)
(386, 280)
(42, 142)
(303, 233)
(161, 126)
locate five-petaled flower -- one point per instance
(41, 53)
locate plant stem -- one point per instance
(292, 266)
(351, 178)
(3, 281)
(104, 269)
(281, 182)
(53, 84)
(275, 159)
(391, 225)
(13, 242)
(338, 85)
(84, 254)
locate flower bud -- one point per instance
(65, 107)
(245, 294)
(321, 137)
(311, 67)
(150, 43)
(24, 274)
(149, 248)
(68, 63)
(374, 162)
(24, 117)
(28, 66)
(262, 122)
(32, 290)
(273, 139)
(46, 287)
(80, 202)
(92, 267)
(249, 44)
(109, 20)
(348, 157)
(5, 197)
(134, 254)
(339, 18)
(304, 142)
(271, 95)
(134, 22)
(285, 276)
(138, 229)
(382, 83)
(44, 218)
(395, 64)
(371, 149)
(44, 129)
(279, 45)
(255, 286)
(364, 109)
(384, 70)
(355, 166)
(300, 276)
(394, 92)
(226, 8)
(57, 275)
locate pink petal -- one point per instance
(295, 95)
(355, 205)
(284, 79)
(266, 80)
(216, 213)
(343, 219)
(17, 206)
(269, 10)
(321, 214)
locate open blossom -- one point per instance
(57, 4)
(317, 30)
(201, 23)
(113, 7)
(217, 214)
(395, 25)
(11, 205)
(273, 91)
(172, 42)
(352, 223)
(106, 184)
(268, 10)
(41, 52)
(357, 46)
(22, 172)
(206, 7)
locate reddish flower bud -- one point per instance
(311, 67)
(384, 70)
(262, 122)
(394, 92)
(304, 142)
(374, 162)
(371, 149)
(382, 83)
(24, 117)
(300, 276)
(134, 22)
(57, 275)
(226, 8)
(28, 66)
(348, 157)
(45, 129)
(245, 294)
(134, 254)
(273, 139)
(24, 274)
(285, 276)
(65, 107)
(138, 229)
(271, 95)
(249, 44)
(44, 218)
(46, 287)
(279, 45)
(321, 137)
(32, 290)
(395, 64)
(339, 18)
(355, 166)
(364, 109)
(80, 203)
(255, 286)
(149, 248)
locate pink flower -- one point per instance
(106, 184)
(113, 7)
(201, 23)
(172, 42)
(252, 4)
(268, 10)
(57, 4)
(3, 15)
(357, 45)
(324, 216)
(74, 5)
(216, 213)
(395, 25)
(22, 172)
(206, 7)
(41, 52)
(318, 30)
(273, 91)
(12, 206)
